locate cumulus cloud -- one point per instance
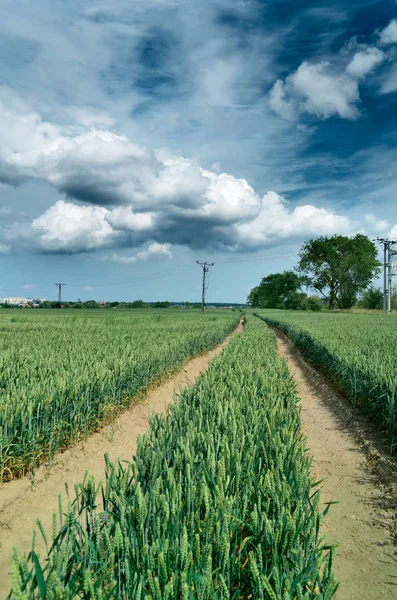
(104, 168)
(280, 102)
(276, 221)
(123, 217)
(376, 224)
(131, 195)
(67, 227)
(326, 90)
(364, 62)
(71, 228)
(118, 258)
(325, 93)
(393, 233)
(155, 250)
(316, 89)
(388, 35)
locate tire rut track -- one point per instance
(363, 484)
(25, 500)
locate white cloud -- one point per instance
(364, 62)
(389, 84)
(155, 250)
(92, 165)
(21, 129)
(228, 199)
(217, 80)
(5, 249)
(118, 258)
(389, 35)
(123, 217)
(30, 286)
(324, 92)
(280, 103)
(67, 227)
(376, 224)
(277, 222)
(316, 89)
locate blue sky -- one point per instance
(139, 137)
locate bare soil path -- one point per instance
(25, 500)
(362, 479)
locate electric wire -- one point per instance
(173, 271)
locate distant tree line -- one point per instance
(338, 269)
(134, 304)
(95, 304)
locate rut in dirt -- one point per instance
(361, 481)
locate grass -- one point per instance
(62, 373)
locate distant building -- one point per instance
(26, 302)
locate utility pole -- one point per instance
(60, 286)
(385, 263)
(389, 282)
(206, 267)
(389, 250)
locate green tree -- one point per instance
(137, 304)
(254, 297)
(91, 304)
(339, 267)
(275, 290)
(48, 304)
(160, 304)
(372, 298)
(295, 301)
(313, 303)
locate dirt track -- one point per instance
(25, 500)
(358, 476)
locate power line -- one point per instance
(189, 266)
(206, 267)
(181, 269)
(150, 276)
(261, 257)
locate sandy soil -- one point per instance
(25, 500)
(359, 476)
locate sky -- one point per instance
(140, 137)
